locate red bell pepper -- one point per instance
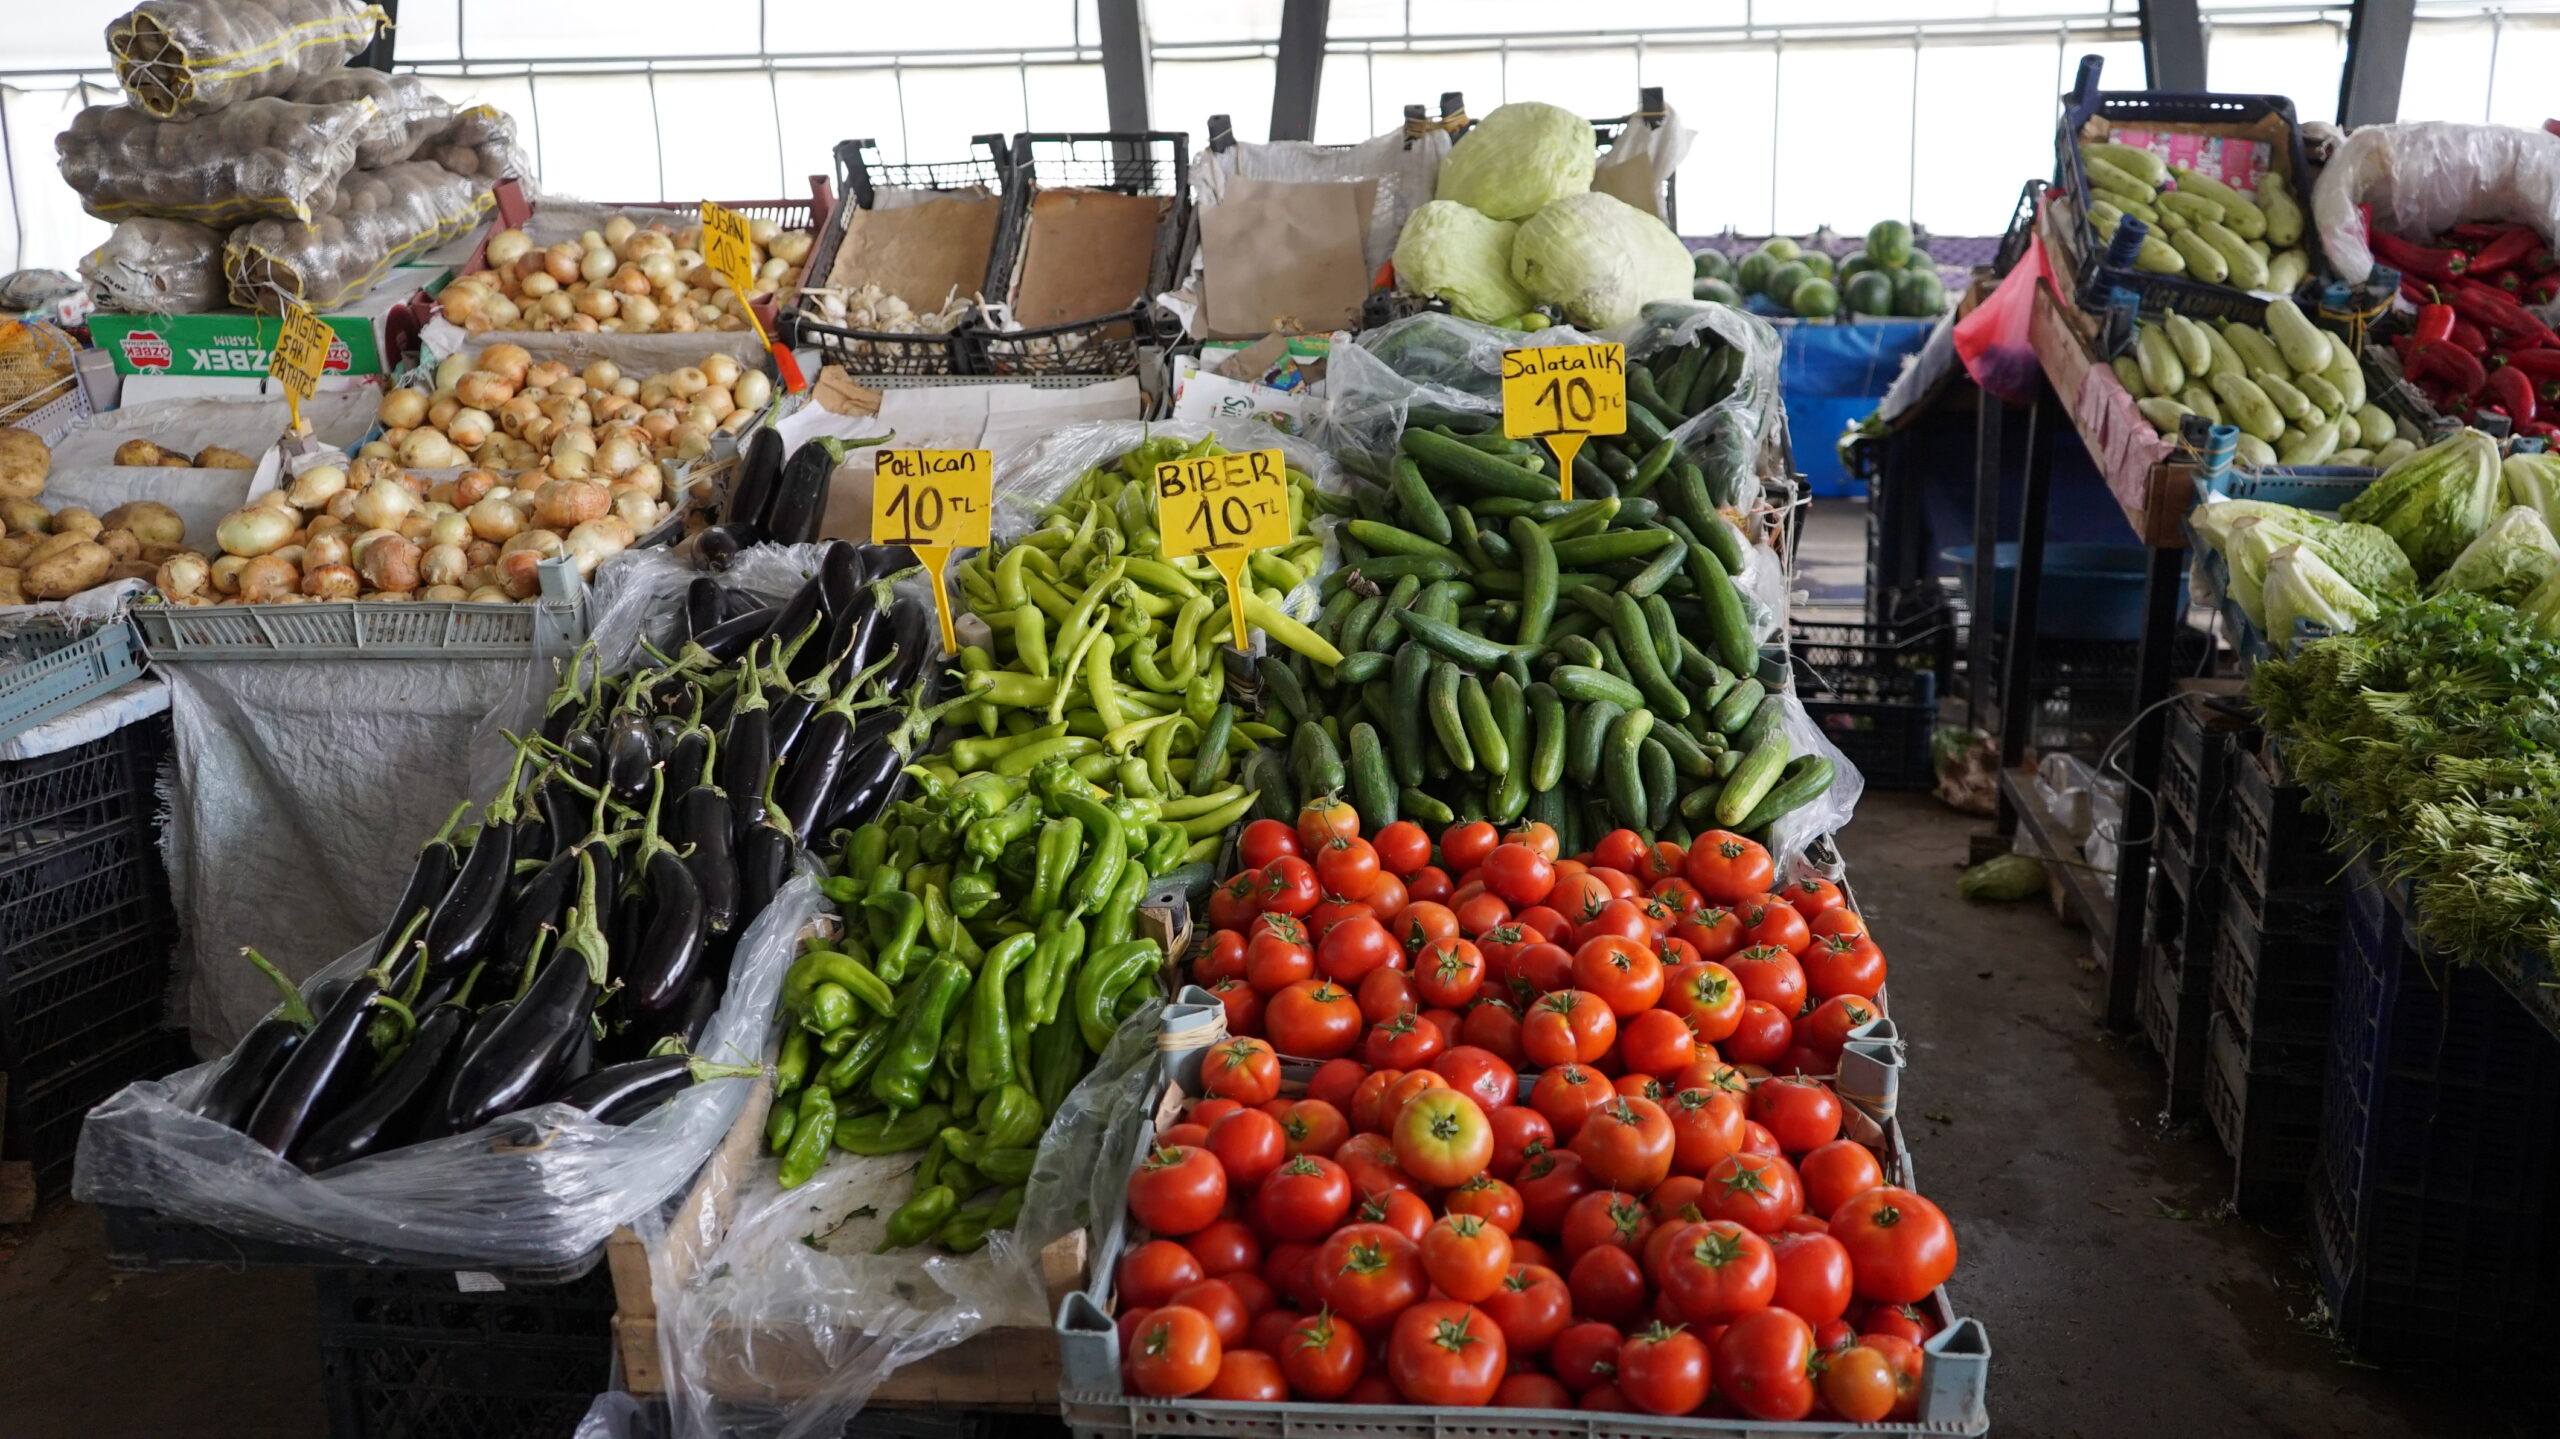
(2468, 336)
(2440, 266)
(2491, 309)
(2509, 391)
(2541, 364)
(2543, 289)
(2435, 322)
(2473, 234)
(2456, 368)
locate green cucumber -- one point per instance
(1318, 762)
(1547, 723)
(1587, 682)
(1764, 722)
(1359, 667)
(1446, 721)
(1475, 711)
(1661, 780)
(1423, 808)
(1644, 661)
(1373, 788)
(1687, 754)
(1802, 782)
(1468, 649)
(1736, 708)
(1538, 567)
(1391, 540)
(1698, 806)
(1725, 538)
(1622, 765)
(1421, 509)
(1510, 701)
(1751, 780)
(1475, 469)
(1575, 650)
(1608, 546)
(1647, 583)
(1384, 630)
(1404, 739)
(1589, 731)
(1280, 687)
(1396, 567)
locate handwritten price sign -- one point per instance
(1564, 394)
(731, 255)
(933, 501)
(302, 349)
(1224, 507)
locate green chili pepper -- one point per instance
(888, 1132)
(945, 927)
(1008, 1166)
(919, 1218)
(863, 851)
(1106, 851)
(827, 966)
(815, 1125)
(793, 1066)
(853, 1064)
(1112, 923)
(1067, 948)
(1059, 1060)
(1061, 840)
(986, 838)
(899, 1080)
(971, 893)
(1218, 820)
(1102, 976)
(780, 1123)
(830, 1008)
(1011, 1116)
(990, 1054)
(905, 915)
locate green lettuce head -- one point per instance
(1462, 257)
(1599, 260)
(1518, 160)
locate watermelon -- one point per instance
(1713, 265)
(1722, 292)
(1819, 263)
(1781, 248)
(1889, 243)
(1815, 299)
(1868, 292)
(1851, 268)
(1784, 279)
(1919, 294)
(1920, 260)
(1752, 275)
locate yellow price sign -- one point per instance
(1564, 394)
(731, 255)
(1224, 507)
(302, 350)
(934, 501)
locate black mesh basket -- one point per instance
(1124, 162)
(861, 175)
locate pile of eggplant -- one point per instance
(574, 947)
(775, 500)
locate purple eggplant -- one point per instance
(666, 919)
(521, 1057)
(621, 1093)
(261, 1053)
(759, 475)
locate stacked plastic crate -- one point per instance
(2180, 915)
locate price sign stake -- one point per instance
(934, 501)
(726, 249)
(1564, 394)
(302, 349)
(1225, 507)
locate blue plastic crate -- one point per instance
(61, 669)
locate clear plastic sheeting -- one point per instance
(382, 217)
(156, 267)
(1797, 831)
(406, 114)
(193, 57)
(1030, 479)
(540, 1187)
(2422, 177)
(267, 159)
(788, 1285)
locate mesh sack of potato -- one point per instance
(156, 267)
(262, 159)
(382, 217)
(35, 359)
(193, 57)
(481, 143)
(406, 114)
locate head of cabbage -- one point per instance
(1598, 259)
(1462, 257)
(1518, 160)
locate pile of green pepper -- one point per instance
(987, 957)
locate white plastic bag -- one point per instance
(1639, 164)
(2419, 178)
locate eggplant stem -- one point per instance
(294, 1009)
(408, 931)
(581, 933)
(541, 941)
(462, 995)
(408, 1019)
(446, 834)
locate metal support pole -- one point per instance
(2164, 606)
(1300, 71)
(1125, 63)
(2017, 667)
(2377, 53)
(2172, 45)
(377, 56)
(1990, 414)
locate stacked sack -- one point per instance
(250, 163)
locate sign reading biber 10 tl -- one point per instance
(1225, 507)
(1564, 394)
(934, 501)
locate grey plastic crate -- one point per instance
(49, 670)
(370, 629)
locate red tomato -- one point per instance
(1248, 1144)
(1585, 1355)
(1607, 1284)
(1387, 898)
(1756, 1139)
(1537, 836)
(1367, 1273)
(1549, 924)
(1271, 1327)
(1368, 1113)
(1313, 1019)
(1190, 1132)
(1490, 1200)
(1549, 1185)
(1771, 975)
(1478, 1074)
(1222, 959)
(1351, 949)
(1403, 847)
(1176, 1354)
(1639, 1085)
(1302, 1201)
(1334, 1080)
(1233, 905)
(1544, 968)
(1466, 1257)
(1836, 1173)
(1464, 846)
(1531, 1306)
(1205, 1112)
(1177, 1190)
(1430, 882)
(1311, 1126)
(1155, 1271)
(1448, 973)
(1442, 1139)
(1706, 1125)
(1656, 1042)
(1244, 1070)
(1515, 1128)
(1519, 874)
(1906, 1361)
(1324, 1357)
(1290, 886)
(1605, 1216)
(1676, 1199)
(1713, 931)
(1265, 840)
(1762, 1034)
(1727, 868)
(1620, 919)
(1760, 1192)
(1286, 1267)
(1413, 1085)
(1764, 1364)
(1663, 1370)
(1836, 921)
(1347, 865)
(1374, 1387)
(1676, 891)
(1620, 969)
(1224, 1248)
(1479, 913)
(1825, 1029)
(1527, 1250)
(1813, 1275)
(1903, 1321)
(1248, 1374)
(1444, 1352)
(1531, 1391)
(1833, 1337)
(1673, 952)
(1278, 955)
(1858, 1383)
(1569, 1026)
(1627, 1144)
(1768, 920)
(1567, 1094)
(1812, 895)
(1244, 1005)
(1620, 849)
(1492, 1025)
(1425, 923)
(1800, 1113)
(1900, 1244)
(1710, 1072)
(1403, 1043)
(1226, 1311)
(1579, 897)
(1708, 995)
(1716, 1271)
(1844, 964)
(1323, 818)
(1384, 994)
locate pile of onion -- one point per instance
(502, 409)
(625, 278)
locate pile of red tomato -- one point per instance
(1648, 1224)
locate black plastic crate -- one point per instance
(413, 1354)
(2277, 842)
(2433, 1204)
(72, 792)
(2268, 1119)
(148, 1241)
(45, 1113)
(2185, 896)
(1152, 162)
(54, 908)
(2097, 280)
(1874, 694)
(860, 175)
(2193, 765)
(55, 1016)
(2274, 984)
(2172, 1013)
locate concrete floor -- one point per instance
(2119, 1303)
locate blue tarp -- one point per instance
(1832, 375)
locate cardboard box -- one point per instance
(232, 346)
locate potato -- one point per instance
(215, 457)
(152, 522)
(25, 517)
(157, 554)
(11, 593)
(15, 549)
(83, 564)
(121, 544)
(143, 452)
(50, 546)
(24, 462)
(131, 570)
(77, 521)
